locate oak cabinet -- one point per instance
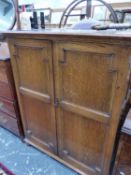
(70, 95)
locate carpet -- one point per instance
(26, 160)
(4, 170)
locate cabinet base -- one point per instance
(27, 141)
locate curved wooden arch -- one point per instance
(74, 3)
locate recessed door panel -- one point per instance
(40, 123)
(33, 65)
(92, 72)
(80, 141)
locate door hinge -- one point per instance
(56, 102)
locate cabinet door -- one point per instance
(32, 66)
(90, 82)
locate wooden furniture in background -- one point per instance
(9, 111)
(71, 87)
(123, 160)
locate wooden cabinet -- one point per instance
(123, 159)
(70, 91)
(9, 111)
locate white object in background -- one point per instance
(4, 51)
(86, 24)
(25, 20)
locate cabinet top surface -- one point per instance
(69, 32)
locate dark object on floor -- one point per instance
(4, 170)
